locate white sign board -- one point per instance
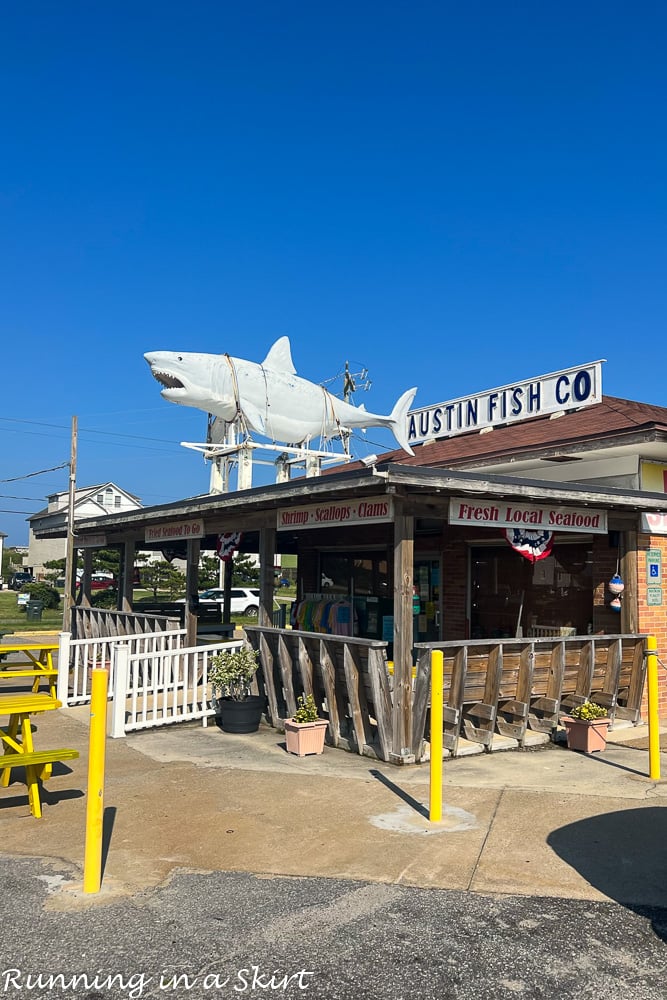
(176, 531)
(655, 524)
(90, 541)
(570, 389)
(335, 513)
(501, 514)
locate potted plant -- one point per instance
(305, 731)
(231, 674)
(586, 727)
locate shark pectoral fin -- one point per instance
(254, 417)
(279, 358)
(399, 419)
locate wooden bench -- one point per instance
(50, 673)
(37, 764)
(36, 662)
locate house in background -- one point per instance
(89, 501)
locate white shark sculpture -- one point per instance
(274, 401)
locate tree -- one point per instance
(161, 576)
(209, 572)
(56, 568)
(244, 570)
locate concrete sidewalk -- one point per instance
(543, 822)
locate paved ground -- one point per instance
(547, 876)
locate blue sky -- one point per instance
(454, 196)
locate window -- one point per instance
(511, 596)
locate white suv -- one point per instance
(244, 600)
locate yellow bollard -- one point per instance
(653, 717)
(92, 862)
(435, 791)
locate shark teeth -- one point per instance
(168, 381)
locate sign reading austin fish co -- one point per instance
(175, 531)
(565, 390)
(334, 513)
(501, 514)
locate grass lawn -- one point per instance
(15, 619)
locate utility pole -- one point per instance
(69, 597)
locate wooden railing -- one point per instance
(515, 685)
(102, 623)
(347, 677)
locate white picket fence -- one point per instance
(161, 688)
(78, 657)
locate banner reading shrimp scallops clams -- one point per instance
(335, 513)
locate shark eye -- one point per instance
(180, 357)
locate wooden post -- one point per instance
(127, 591)
(69, 597)
(191, 589)
(403, 585)
(84, 598)
(629, 609)
(267, 554)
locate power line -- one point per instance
(10, 496)
(86, 430)
(29, 475)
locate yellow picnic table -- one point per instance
(37, 662)
(19, 750)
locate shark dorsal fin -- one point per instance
(279, 358)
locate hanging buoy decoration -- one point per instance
(616, 585)
(615, 604)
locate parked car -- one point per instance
(243, 600)
(100, 581)
(19, 580)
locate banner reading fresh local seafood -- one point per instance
(507, 514)
(334, 513)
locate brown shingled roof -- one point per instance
(612, 418)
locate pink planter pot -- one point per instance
(586, 736)
(305, 737)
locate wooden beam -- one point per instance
(401, 751)
(84, 597)
(267, 554)
(191, 589)
(127, 589)
(629, 605)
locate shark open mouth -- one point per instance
(168, 381)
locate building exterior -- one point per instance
(427, 548)
(89, 501)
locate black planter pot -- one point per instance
(240, 716)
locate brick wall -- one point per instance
(653, 619)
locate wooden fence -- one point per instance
(103, 623)
(347, 677)
(505, 687)
(515, 685)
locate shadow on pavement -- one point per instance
(108, 820)
(405, 796)
(622, 854)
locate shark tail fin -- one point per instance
(398, 419)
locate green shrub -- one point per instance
(588, 711)
(43, 592)
(306, 709)
(231, 673)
